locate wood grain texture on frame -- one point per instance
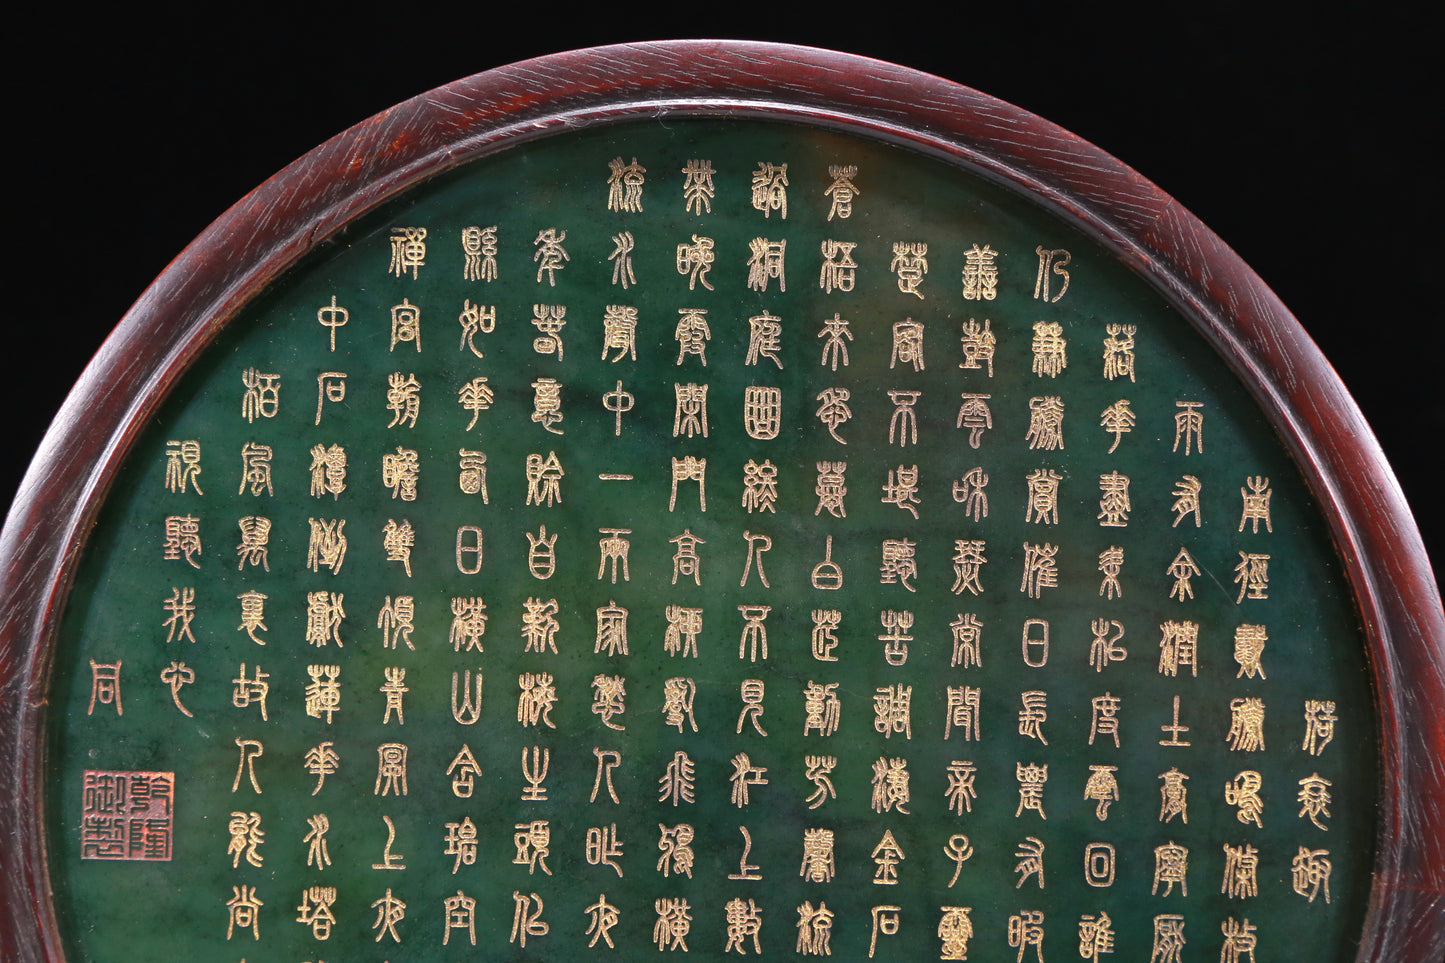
(272, 228)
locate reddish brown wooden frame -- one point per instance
(264, 234)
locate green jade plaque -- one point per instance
(750, 539)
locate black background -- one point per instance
(1308, 144)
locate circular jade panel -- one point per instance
(715, 536)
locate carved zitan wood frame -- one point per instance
(267, 232)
